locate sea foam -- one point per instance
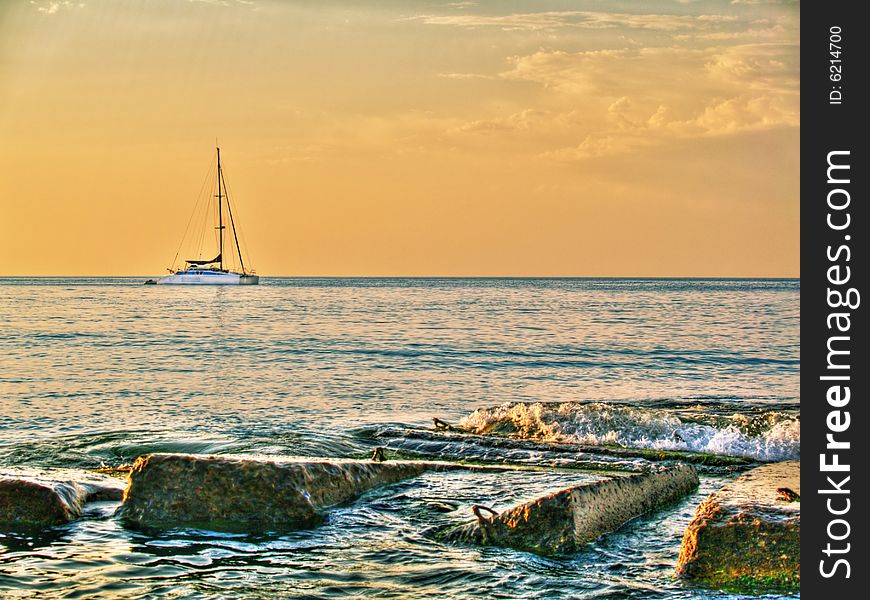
(766, 435)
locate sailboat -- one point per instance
(212, 271)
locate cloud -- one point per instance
(466, 76)
(663, 73)
(756, 2)
(741, 114)
(50, 8)
(523, 120)
(225, 2)
(614, 73)
(635, 99)
(773, 27)
(599, 146)
(774, 67)
(549, 20)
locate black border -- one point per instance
(827, 127)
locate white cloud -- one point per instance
(225, 2)
(633, 99)
(756, 2)
(523, 120)
(466, 76)
(549, 20)
(770, 67)
(53, 7)
(741, 114)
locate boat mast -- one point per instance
(220, 212)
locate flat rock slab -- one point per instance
(249, 493)
(561, 522)
(31, 498)
(746, 536)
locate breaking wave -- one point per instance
(758, 433)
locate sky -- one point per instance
(405, 138)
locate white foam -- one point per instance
(767, 436)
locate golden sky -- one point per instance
(490, 138)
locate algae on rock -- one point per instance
(561, 522)
(746, 536)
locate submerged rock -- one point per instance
(562, 521)
(746, 536)
(35, 498)
(241, 494)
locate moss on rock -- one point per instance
(746, 537)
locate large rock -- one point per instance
(746, 536)
(242, 494)
(564, 520)
(35, 498)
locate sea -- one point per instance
(97, 371)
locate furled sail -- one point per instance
(204, 262)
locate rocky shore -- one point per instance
(746, 536)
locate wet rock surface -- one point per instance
(32, 498)
(562, 521)
(746, 536)
(450, 442)
(249, 493)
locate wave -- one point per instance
(757, 433)
(90, 449)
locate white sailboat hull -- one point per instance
(209, 278)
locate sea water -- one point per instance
(98, 370)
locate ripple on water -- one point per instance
(101, 370)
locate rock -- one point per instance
(245, 493)
(32, 498)
(29, 503)
(451, 443)
(442, 507)
(746, 536)
(788, 494)
(564, 520)
(444, 425)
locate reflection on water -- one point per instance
(104, 370)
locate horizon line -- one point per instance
(733, 277)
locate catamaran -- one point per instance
(212, 271)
